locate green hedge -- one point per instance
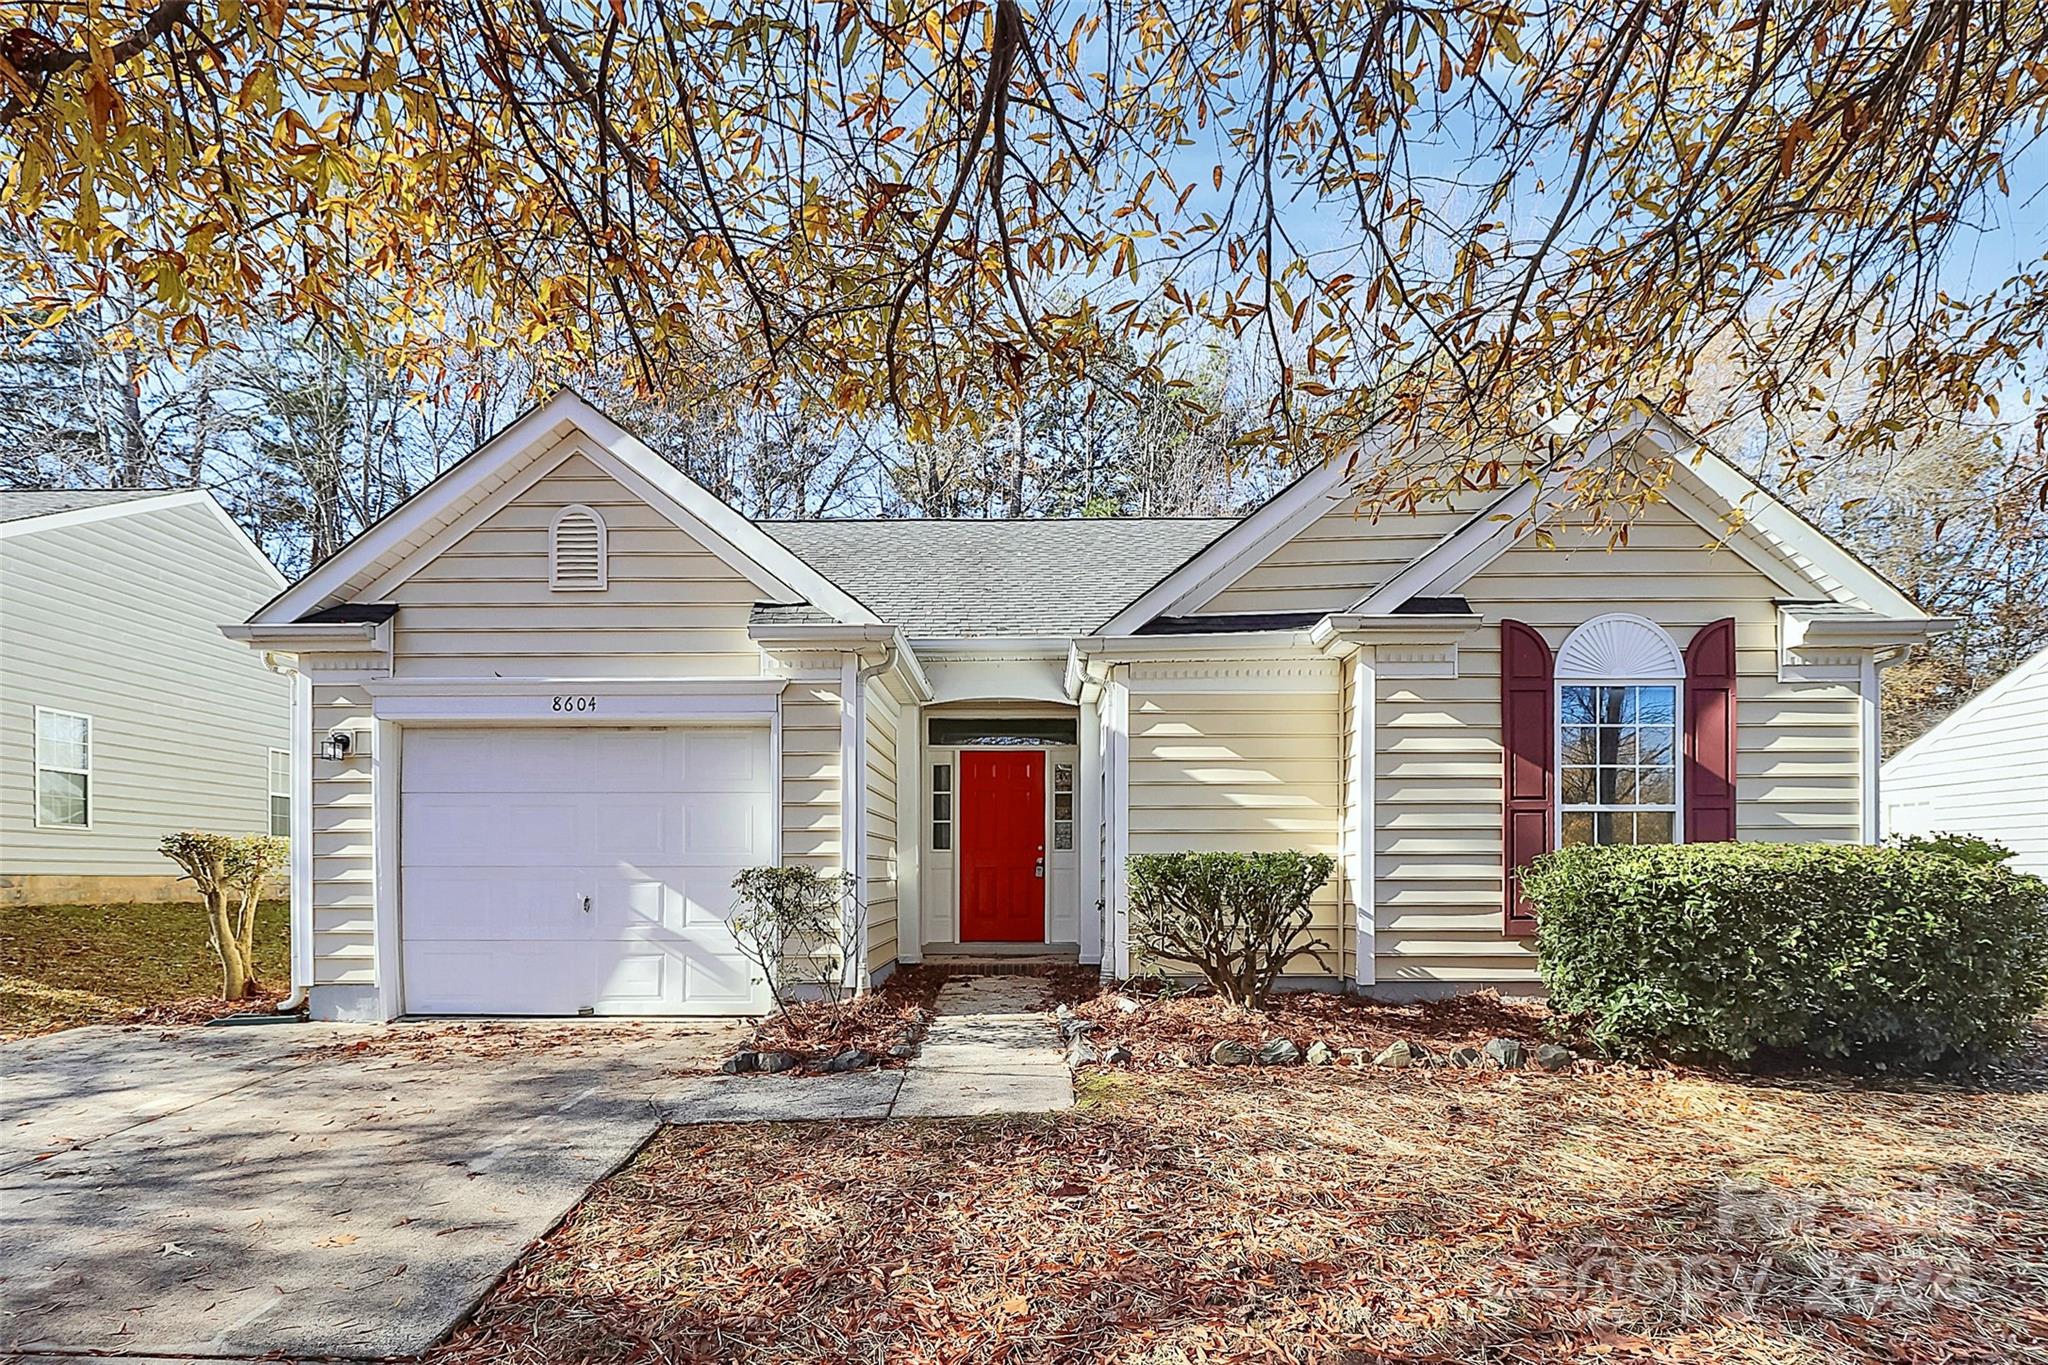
(1237, 918)
(1895, 956)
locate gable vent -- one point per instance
(576, 551)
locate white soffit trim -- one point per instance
(1763, 532)
(1817, 554)
(1246, 545)
(515, 458)
(737, 534)
(423, 513)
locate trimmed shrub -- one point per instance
(792, 926)
(1237, 918)
(231, 872)
(1893, 956)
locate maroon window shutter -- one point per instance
(1527, 740)
(1710, 734)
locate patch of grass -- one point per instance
(1324, 1217)
(62, 966)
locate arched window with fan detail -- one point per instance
(576, 551)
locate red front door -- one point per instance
(1002, 846)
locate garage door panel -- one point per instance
(719, 980)
(487, 903)
(651, 825)
(722, 761)
(469, 977)
(494, 831)
(726, 827)
(635, 826)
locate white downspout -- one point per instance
(300, 866)
(853, 798)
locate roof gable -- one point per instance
(41, 512)
(2031, 673)
(474, 488)
(1760, 529)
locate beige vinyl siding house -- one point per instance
(110, 604)
(980, 722)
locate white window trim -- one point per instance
(555, 583)
(1677, 805)
(272, 793)
(41, 767)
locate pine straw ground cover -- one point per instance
(63, 966)
(1332, 1216)
(1165, 1028)
(874, 1022)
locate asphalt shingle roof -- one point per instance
(21, 504)
(1018, 578)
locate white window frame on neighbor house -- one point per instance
(277, 755)
(41, 767)
(1636, 652)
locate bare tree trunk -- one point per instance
(134, 453)
(234, 970)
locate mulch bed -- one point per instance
(877, 1023)
(1166, 1029)
(1321, 1217)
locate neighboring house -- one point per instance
(564, 694)
(123, 713)
(1982, 771)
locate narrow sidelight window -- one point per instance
(281, 793)
(942, 806)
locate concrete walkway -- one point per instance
(991, 1050)
(331, 1191)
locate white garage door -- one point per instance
(552, 871)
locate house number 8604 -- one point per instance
(575, 703)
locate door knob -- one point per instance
(1039, 870)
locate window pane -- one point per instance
(61, 797)
(1653, 786)
(1063, 834)
(1653, 827)
(978, 733)
(1575, 744)
(942, 837)
(942, 805)
(1617, 745)
(1576, 707)
(1062, 777)
(942, 777)
(1653, 746)
(1617, 705)
(1063, 806)
(66, 741)
(280, 772)
(1617, 786)
(1578, 786)
(1613, 827)
(1656, 705)
(1578, 828)
(281, 816)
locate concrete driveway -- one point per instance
(311, 1190)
